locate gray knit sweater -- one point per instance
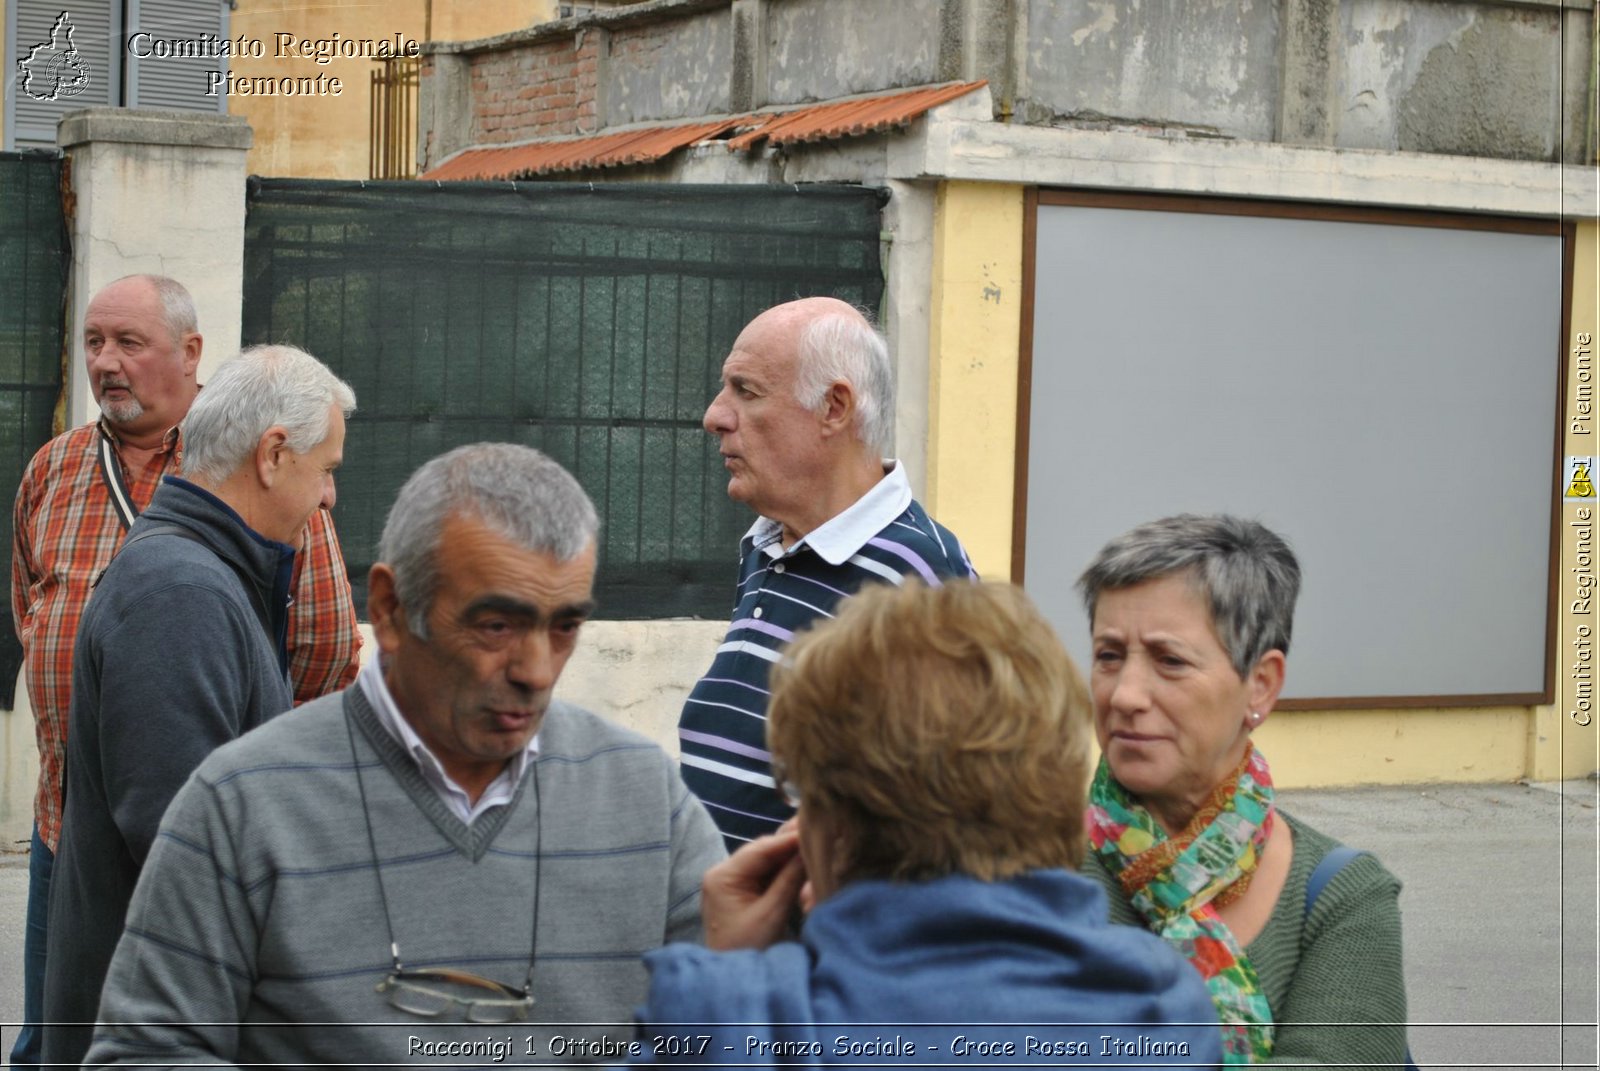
(259, 913)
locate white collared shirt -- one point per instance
(843, 535)
(500, 790)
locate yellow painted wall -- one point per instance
(973, 368)
(972, 394)
(468, 20)
(1564, 740)
(327, 136)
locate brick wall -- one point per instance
(536, 90)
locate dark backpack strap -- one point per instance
(155, 530)
(111, 473)
(160, 529)
(1330, 865)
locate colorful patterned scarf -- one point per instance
(1176, 884)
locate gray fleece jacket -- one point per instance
(180, 649)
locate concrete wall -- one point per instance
(1205, 67)
(1470, 78)
(1504, 79)
(668, 70)
(821, 49)
(19, 771)
(1467, 79)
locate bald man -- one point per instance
(802, 421)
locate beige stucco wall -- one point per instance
(639, 672)
(326, 136)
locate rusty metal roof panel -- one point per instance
(848, 118)
(816, 122)
(642, 146)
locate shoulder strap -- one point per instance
(1330, 865)
(160, 529)
(154, 530)
(143, 535)
(111, 473)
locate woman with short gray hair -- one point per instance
(1294, 935)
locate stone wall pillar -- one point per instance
(444, 108)
(153, 191)
(160, 192)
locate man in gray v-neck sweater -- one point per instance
(441, 856)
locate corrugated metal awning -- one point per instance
(642, 145)
(848, 118)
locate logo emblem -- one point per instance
(1579, 479)
(54, 70)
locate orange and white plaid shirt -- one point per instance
(66, 532)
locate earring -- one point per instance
(1254, 718)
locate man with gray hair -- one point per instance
(440, 846)
(182, 646)
(803, 420)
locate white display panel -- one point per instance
(1383, 395)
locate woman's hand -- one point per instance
(747, 899)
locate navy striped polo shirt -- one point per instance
(722, 734)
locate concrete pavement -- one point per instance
(1499, 907)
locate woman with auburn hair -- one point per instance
(936, 744)
(1190, 620)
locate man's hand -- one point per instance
(747, 899)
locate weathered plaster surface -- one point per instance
(1207, 65)
(669, 70)
(1123, 160)
(1464, 79)
(638, 673)
(819, 49)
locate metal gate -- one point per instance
(35, 258)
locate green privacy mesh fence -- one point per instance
(587, 321)
(34, 260)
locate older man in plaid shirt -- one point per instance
(78, 496)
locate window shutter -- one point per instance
(81, 70)
(172, 81)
